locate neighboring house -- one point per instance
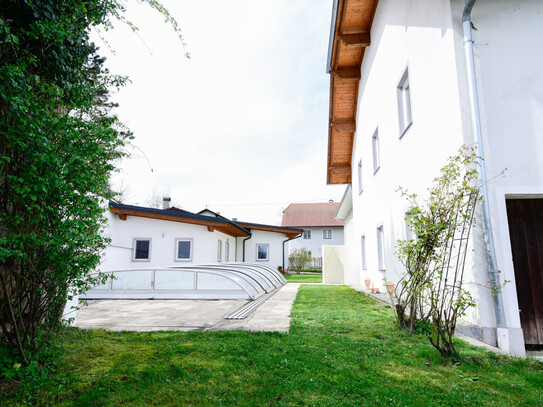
(147, 237)
(401, 91)
(318, 224)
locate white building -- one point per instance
(149, 237)
(401, 88)
(320, 228)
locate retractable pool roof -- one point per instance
(240, 281)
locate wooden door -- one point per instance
(525, 218)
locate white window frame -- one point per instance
(375, 150)
(307, 234)
(267, 246)
(176, 253)
(360, 185)
(135, 242)
(219, 251)
(363, 252)
(381, 248)
(405, 113)
(327, 235)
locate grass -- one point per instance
(343, 350)
(304, 278)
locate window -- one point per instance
(404, 103)
(363, 248)
(327, 234)
(142, 250)
(219, 250)
(183, 249)
(307, 234)
(375, 149)
(262, 252)
(381, 248)
(227, 251)
(360, 177)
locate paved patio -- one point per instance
(187, 315)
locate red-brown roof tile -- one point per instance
(311, 214)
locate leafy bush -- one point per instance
(299, 259)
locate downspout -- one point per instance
(284, 241)
(243, 243)
(493, 272)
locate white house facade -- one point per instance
(320, 228)
(147, 237)
(411, 110)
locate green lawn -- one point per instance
(342, 351)
(304, 278)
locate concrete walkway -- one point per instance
(187, 315)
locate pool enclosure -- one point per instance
(219, 281)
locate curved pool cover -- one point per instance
(218, 281)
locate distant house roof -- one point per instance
(218, 222)
(311, 214)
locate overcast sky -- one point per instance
(241, 127)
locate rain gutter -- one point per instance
(332, 36)
(493, 272)
(243, 243)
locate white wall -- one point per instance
(317, 241)
(426, 37)
(508, 60)
(118, 254)
(416, 35)
(275, 241)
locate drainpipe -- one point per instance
(493, 272)
(284, 241)
(243, 243)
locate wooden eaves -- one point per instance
(225, 227)
(349, 37)
(290, 233)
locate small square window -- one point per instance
(307, 234)
(327, 234)
(404, 103)
(262, 252)
(183, 249)
(375, 149)
(142, 250)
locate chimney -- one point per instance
(166, 202)
(235, 219)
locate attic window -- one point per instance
(142, 250)
(307, 234)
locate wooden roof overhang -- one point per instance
(225, 227)
(349, 37)
(290, 233)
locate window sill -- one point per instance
(406, 129)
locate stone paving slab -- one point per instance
(187, 315)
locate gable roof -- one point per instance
(349, 37)
(212, 220)
(220, 224)
(311, 214)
